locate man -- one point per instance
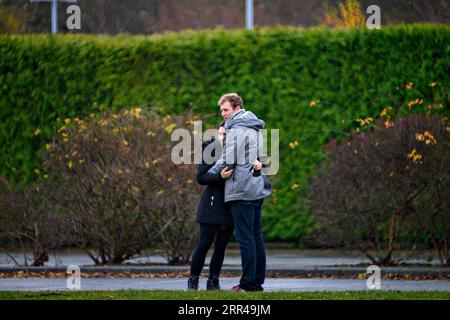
(245, 190)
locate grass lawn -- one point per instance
(221, 295)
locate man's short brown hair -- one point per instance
(233, 98)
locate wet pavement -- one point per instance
(271, 284)
(276, 258)
(285, 261)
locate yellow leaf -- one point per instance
(170, 128)
(136, 112)
(409, 85)
(314, 103)
(293, 144)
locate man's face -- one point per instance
(226, 110)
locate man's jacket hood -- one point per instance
(245, 119)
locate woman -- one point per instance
(214, 218)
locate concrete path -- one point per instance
(272, 284)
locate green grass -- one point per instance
(221, 295)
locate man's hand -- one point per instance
(257, 165)
(225, 173)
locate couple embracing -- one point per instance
(233, 198)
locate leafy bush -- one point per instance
(112, 180)
(349, 15)
(382, 180)
(25, 223)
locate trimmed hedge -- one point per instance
(278, 71)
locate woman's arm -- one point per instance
(208, 178)
(205, 178)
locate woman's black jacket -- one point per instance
(212, 208)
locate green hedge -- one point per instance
(278, 71)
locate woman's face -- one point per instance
(221, 134)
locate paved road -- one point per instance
(272, 284)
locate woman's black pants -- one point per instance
(209, 233)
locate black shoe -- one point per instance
(192, 283)
(259, 288)
(213, 283)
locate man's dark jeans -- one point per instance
(247, 221)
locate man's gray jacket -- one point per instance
(242, 146)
